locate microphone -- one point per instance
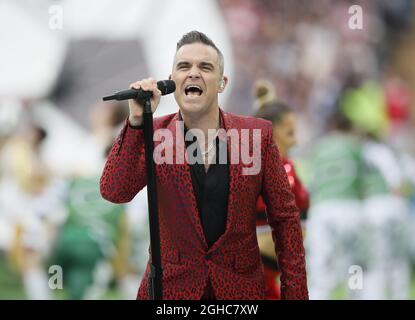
(165, 86)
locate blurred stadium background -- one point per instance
(59, 57)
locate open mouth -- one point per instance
(193, 90)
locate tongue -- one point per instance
(193, 93)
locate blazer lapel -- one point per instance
(234, 173)
(180, 172)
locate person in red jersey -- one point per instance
(207, 222)
(284, 126)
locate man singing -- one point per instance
(207, 218)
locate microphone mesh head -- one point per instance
(166, 86)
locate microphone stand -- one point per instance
(156, 271)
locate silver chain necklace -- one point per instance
(211, 144)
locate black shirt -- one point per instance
(211, 190)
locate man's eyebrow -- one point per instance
(182, 63)
(207, 64)
(202, 64)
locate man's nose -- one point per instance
(194, 73)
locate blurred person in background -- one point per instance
(385, 208)
(94, 244)
(31, 198)
(386, 218)
(89, 241)
(284, 134)
(335, 218)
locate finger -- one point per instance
(151, 87)
(135, 85)
(156, 92)
(146, 85)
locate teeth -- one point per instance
(193, 86)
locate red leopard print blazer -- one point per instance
(233, 263)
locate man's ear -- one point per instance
(223, 83)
